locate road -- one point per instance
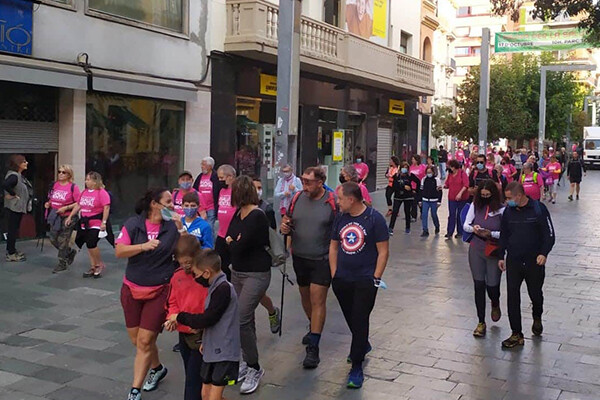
(63, 337)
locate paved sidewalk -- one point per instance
(63, 337)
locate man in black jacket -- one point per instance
(527, 236)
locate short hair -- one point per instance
(352, 189)
(318, 172)
(453, 164)
(191, 197)
(528, 165)
(187, 246)
(209, 160)
(227, 170)
(256, 179)
(69, 170)
(351, 172)
(96, 177)
(441, 147)
(395, 160)
(481, 155)
(515, 188)
(432, 168)
(14, 161)
(243, 192)
(208, 258)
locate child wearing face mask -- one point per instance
(193, 223)
(185, 183)
(430, 198)
(221, 323)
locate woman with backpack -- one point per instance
(483, 222)
(62, 198)
(532, 182)
(431, 198)
(406, 186)
(18, 194)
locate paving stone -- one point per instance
(34, 386)
(49, 336)
(56, 375)
(7, 378)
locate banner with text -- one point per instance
(545, 40)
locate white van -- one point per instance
(591, 145)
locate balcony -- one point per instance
(325, 50)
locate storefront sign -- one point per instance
(545, 40)
(396, 107)
(338, 146)
(16, 26)
(268, 85)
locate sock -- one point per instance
(159, 368)
(314, 338)
(255, 366)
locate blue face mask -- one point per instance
(166, 214)
(190, 212)
(185, 185)
(511, 203)
(480, 165)
(430, 175)
(404, 170)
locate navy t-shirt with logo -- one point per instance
(358, 237)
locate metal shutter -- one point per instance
(384, 152)
(28, 136)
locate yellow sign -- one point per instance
(396, 107)
(380, 19)
(268, 85)
(338, 146)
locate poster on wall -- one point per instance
(368, 19)
(338, 146)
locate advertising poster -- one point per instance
(368, 19)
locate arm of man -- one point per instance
(547, 230)
(219, 301)
(333, 256)
(383, 253)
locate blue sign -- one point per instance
(16, 26)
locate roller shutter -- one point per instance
(384, 152)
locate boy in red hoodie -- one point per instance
(187, 296)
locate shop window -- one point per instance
(135, 144)
(166, 14)
(22, 102)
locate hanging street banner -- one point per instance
(545, 40)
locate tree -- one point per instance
(550, 9)
(443, 121)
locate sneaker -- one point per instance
(275, 321)
(448, 236)
(306, 338)
(553, 201)
(59, 268)
(457, 236)
(537, 328)
(413, 220)
(425, 234)
(577, 197)
(15, 258)
(570, 198)
(252, 381)
(176, 348)
(391, 232)
(71, 256)
(355, 378)
(407, 231)
(135, 394)
(496, 313)
(98, 271)
(437, 230)
(480, 330)
(242, 371)
(89, 273)
(153, 378)
(369, 348)
(516, 339)
(312, 359)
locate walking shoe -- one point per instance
(153, 378)
(60, 267)
(176, 348)
(516, 339)
(355, 378)
(98, 271)
(480, 330)
(135, 394)
(15, 258)
(456, 236)
(577, 197)
(89, 273)
(275, 321)
(496, 313)
(369, 348)
(425, 234)
(407, 231)
(537, 328)
(242, 371)
(306, 338)
(71, 256)
(413, 220)
(553, 201)
(437, 230)
(312, 359)
(252, 381)
(448, 236)
(391, 232)
(570, 198)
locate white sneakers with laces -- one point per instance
(251, 381)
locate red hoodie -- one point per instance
(186, 296)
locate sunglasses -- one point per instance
(308, 181)
(62, 172)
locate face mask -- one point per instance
(190, 212)
(511, 203)
(485, 200)
(430, 175)
(165, 213)
(342, 178)
(359, 160)
(259, 192)
(449, 170)
(404, 170)
(202, 281)
(223, 183)
(480, 165)
(185, 185)
(287, 175)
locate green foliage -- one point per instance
(514, 99)
(443, 121)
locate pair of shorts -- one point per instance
(146, 314)
(89, 237)
(223, 373)
(312, 272)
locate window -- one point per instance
(592, 144)
(463, 11)
(166, 14)
(67, 4)
(404, 42)
(480, 10)
(462, 51)
(331, 11)
(475, 51)
(463, 31)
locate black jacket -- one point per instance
(216, 187)
(526, 232)
(429, 190)
(400, 181)
(575, 170)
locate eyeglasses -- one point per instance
(308, 181)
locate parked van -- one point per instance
(591, 145)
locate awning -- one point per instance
(38, 72)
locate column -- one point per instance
(71, 131)
(197, 132)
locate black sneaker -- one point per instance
(60, 267)
(425, 234)
(391, 232)
(312, 357)
(537, 328)
(306, 339)
(516, 339)
(570, 198)
(577, 197)
(448, 236)
(437, 230)
(456, 236)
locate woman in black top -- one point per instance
(248, 237)
(403, 193)
(18, 193)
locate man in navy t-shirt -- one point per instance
(358, 255)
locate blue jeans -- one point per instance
(443, 170)
(211, 217)
(455, 208)
(433, 206)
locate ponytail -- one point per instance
(143, 204)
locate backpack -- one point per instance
(535, 176)
(330, 201)
(466, 237)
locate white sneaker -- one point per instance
(243, 371)
(252, 381)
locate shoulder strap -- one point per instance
(290, 210)
(72, 187)
(535, 176)
(331, 201)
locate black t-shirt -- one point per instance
(443, 156)
(477, 177)
(248, 253)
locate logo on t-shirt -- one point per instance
(87, 201)
(353, 238)
(225, 200)
(59, 195)
(205, 186)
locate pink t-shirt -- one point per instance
(362, 169)
(554, 169)
(419, 171)
(152, 231)
(533, 189)
(62, 195)
(490, 167)
(508, 170)
(460, 155)
(365, 193)
(206, 192)
(455, 183)
(92, 202)
(226, 211)
(178, 200)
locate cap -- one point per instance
(184, 173)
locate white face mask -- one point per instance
(259, 193)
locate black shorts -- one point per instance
(224, 373)
(89, 237)
(312, 271)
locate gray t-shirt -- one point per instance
(312, 221)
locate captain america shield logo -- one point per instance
(353, 238)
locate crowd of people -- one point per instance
(199, 256)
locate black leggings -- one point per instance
(14, 222)
(396, 210)
(389, 194)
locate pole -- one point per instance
(542, 122)
(288, 79)
(484, 90)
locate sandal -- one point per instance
(89, 273)
(98, 271)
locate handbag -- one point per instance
(492, 249)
